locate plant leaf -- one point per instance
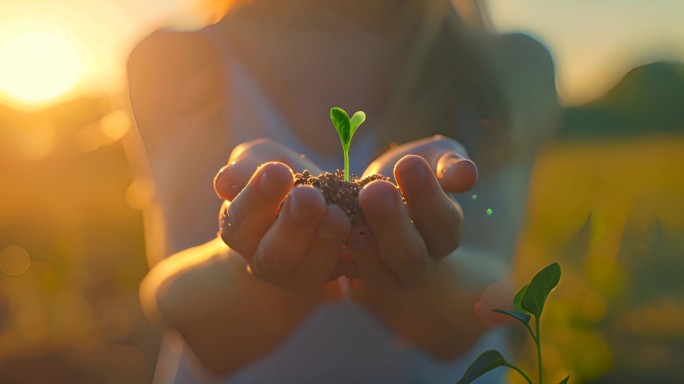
(565, 381)
(487, 361)
(520, 316)
(342, 124)
(541, 285)
(356, 120)
(517, 300)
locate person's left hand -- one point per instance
(410, 238)
(427, 299)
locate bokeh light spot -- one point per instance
(489, 211)
(115, 124)
(109, 129)
(14, 260)
(140, 193)
(36, 67)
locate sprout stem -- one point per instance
(346, 166)
(537, 340)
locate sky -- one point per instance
(98, 33)
(594, 42)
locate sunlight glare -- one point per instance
(37, 67)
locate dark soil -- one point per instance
(337, 191)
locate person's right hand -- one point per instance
(286, 234)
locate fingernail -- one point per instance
(220, 173)
(222, 184)
(413, 177)
(299, 209)
(455, 166)
(268, 184)
(381, 205)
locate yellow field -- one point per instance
(612, 214)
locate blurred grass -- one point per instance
(73, 316)
(606, 203)
(612, 213)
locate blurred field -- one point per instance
(606, 199)
(610, 209)
(612, 213)
(71, 250)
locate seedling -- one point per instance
(346, 128)
(339, 187)
(528, 302)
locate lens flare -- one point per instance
(36, 67)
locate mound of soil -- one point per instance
(337, 191)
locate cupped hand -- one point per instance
(286, 234)
(410, 237)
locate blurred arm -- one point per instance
(524, 75)
(177, 91)
(227, 317)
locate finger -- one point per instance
(455, 174)
(230, 180)
(323, 251)
(436, 217)
(284, 245)
(253, 211)
(398, 243)
(247, 157)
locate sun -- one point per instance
(37, 67)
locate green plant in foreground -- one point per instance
(528, 302)
(346, 128)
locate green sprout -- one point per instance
(528, 302)
(346, 128)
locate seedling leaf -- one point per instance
(346, 129)
(541, 285)
(342, 124)
(520, 316)
(565, 381)
(487, 361)
(356, 120)
(517, 299)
